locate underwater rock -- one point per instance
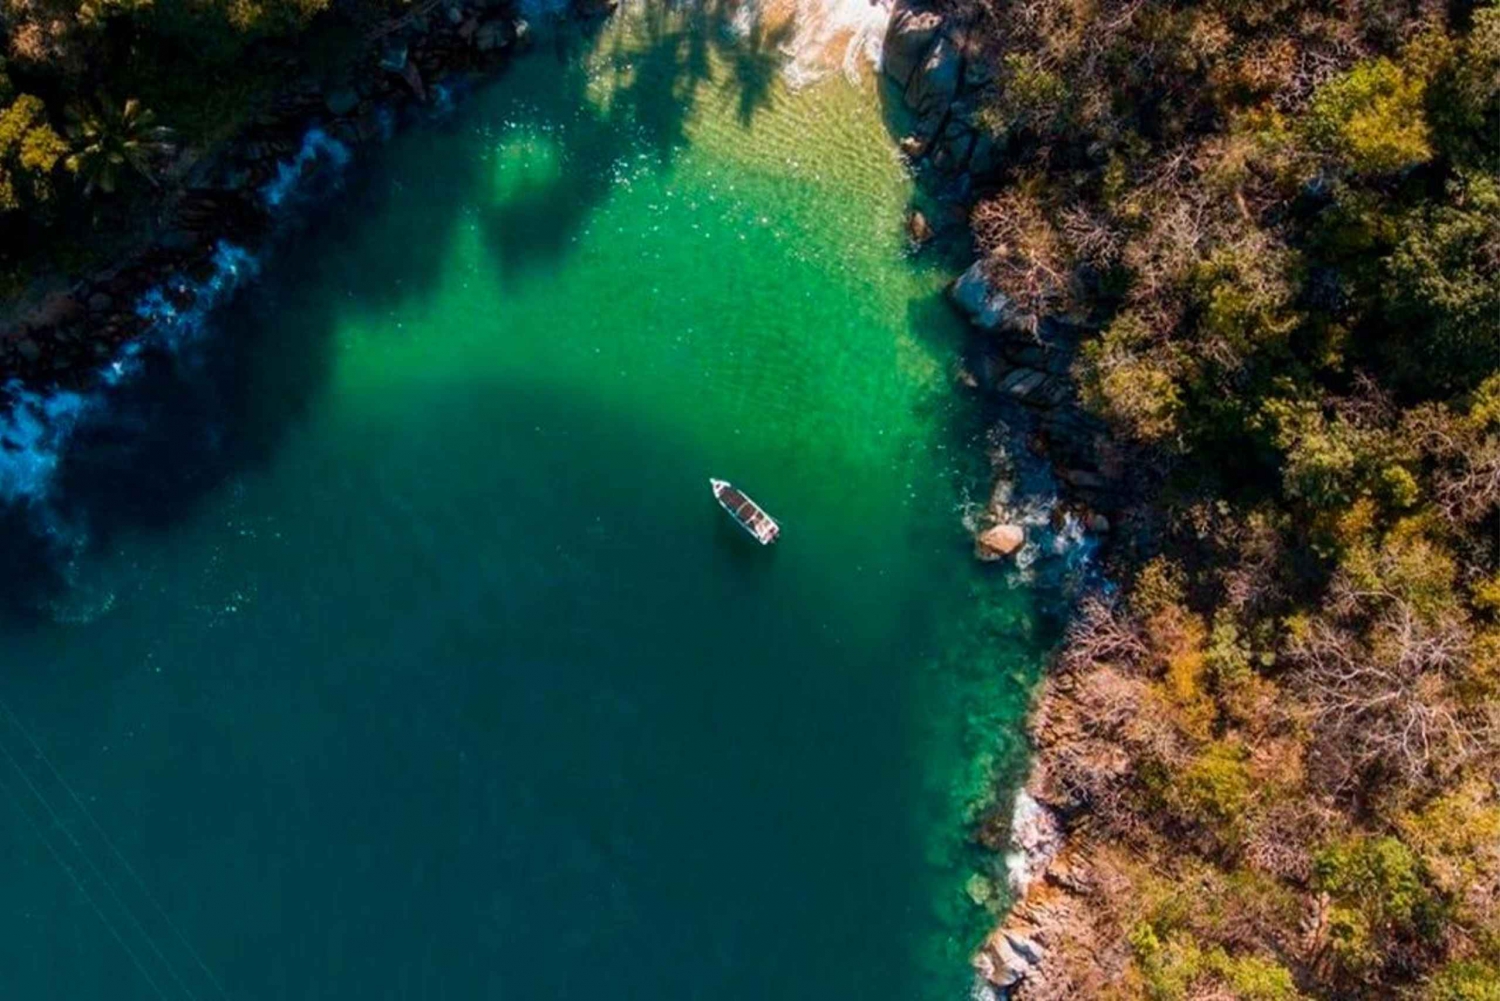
(341, 101)
(918, 228)
(393, 57)
(492, 35)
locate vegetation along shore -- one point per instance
(1244, 261)
(1239, 266)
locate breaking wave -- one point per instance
(38, 428)
(318, 147)
(1059, 550)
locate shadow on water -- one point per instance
(634, 98)
(190, 421)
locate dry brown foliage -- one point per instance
(1025, 255)
(1379, 680)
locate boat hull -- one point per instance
(746, 513)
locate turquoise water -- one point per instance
(411, 658)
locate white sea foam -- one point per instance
(844, 34)
(827, 35)
(317, 146)
(172, 326)
(34, 429)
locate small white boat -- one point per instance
(750, 515)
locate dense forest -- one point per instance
(1282, 219)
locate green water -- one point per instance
(414, 660)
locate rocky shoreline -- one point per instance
(230, 193)
(1024, 361)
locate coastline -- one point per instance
(231, 194)
(1024, 362)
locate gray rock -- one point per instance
(1007, 958)
(341, 101)
(934, 85)
(393, 57)
(492, 35)
(988, 308)
(1084, 479)
(1023, 383)
(907, 41)
(100, 301)
(987, 154)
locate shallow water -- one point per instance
(411, 657)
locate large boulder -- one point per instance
(987, 307)
(999, 542)
(1007, 958)
(492, 35)
(934, 85)
(907, 41)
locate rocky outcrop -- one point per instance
(998, 542)
(934, 65)
(987, 307)
(1055, 943)
(930, 62)
(1027, 361)
(1047, 948)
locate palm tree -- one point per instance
(109, 138)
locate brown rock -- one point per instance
(998, 542)
(918, 228)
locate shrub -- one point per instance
(1381, 894)
(1465, 980)
(29, 151)
(1372, 118)
(1214, 791)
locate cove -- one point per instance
(410, 656)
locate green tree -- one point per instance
(1381, 893)
(110, 139)
(1372, 118)
(1464, 981)
(29, 151)
(1444, 275)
